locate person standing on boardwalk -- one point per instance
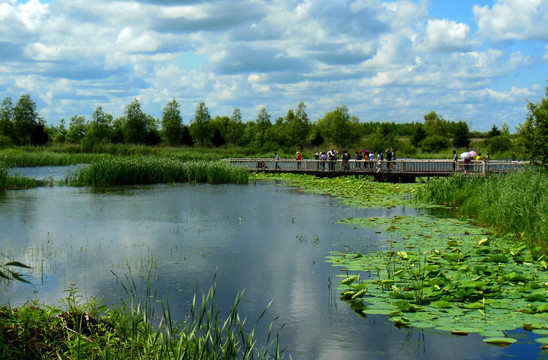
(276, 159)
(455, 160)
(299, 158)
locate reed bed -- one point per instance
(23, 157)
(10, 182)
(88, 329)
(140, 170)
(515, 204)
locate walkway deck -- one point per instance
(398, 170)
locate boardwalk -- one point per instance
(398, 170)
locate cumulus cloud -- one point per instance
(513, 19)
(387, 60)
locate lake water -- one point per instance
(267, 239)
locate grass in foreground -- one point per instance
(91, 330)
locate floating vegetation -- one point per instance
(362, 192)
(449, 275)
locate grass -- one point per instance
(90, 330)
(10, 182)
(515, 204)
(137, 170)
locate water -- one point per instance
(267, 239)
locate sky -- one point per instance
(390, 61)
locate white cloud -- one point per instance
(513, 19)
(445, 35)
(369, 54)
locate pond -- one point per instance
(264, 238)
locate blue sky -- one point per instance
(475, 61)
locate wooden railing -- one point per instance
(404, 167)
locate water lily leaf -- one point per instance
(536, 297)
(500, 341)
(440, 304)
(349, 280)
(542, 340)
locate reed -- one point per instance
(10, 182)
(138, 170)
(88, 329)
(515, 204)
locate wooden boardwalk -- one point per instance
(405, 170)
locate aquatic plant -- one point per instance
(137, 170)
(450, 275)
(88, 329)
(15, 182)
(516, 203)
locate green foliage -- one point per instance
(153, 170)
(172, 123)
(434, 143)
(516, 203)
(200, 125)
(339, 128)
(533, 134)
(134, 123)
(8, 272)
(91, 330)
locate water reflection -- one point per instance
(269, 240)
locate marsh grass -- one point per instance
(85, 328)
(516, 203)
(137, 170)
(11, 182)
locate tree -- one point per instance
(263, 127)
(134, 126)
(25, 119)
(7, 136)
(235, 129)
(494, 132)
(300, 126)
(199, 128)
(461, 136)
(418, 135)
(77, 129)
(100, 127)
(533, 134)
(336, 126)
(434, 124)
(172, 123)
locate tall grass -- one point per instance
(88, 329)
(137, 170)
(516, 203)
(10, 182)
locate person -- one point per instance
(334, 159)
(487, 157)
(323, 158)
(299, 158)
(379, 161)
(277, 159)
(317, 157)
(393, 158)
(388, 159)
(455, 160)
(359, 158)
(478, 161)
(467, 164)
(345, 159)
(371, 160)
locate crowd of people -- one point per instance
(364, 159)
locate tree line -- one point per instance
(20, 125)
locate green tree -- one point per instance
(300, 126)
(533, 134)
(77, 129)
(419, 134)
(199, 127)
(100, 127)
(7, 136)
(434, 124)
(134, 126)
(235, 129)
(494, 132)
(338, 128)
(264, 125)
(172, 123)
(461, 136)
(25, 118)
